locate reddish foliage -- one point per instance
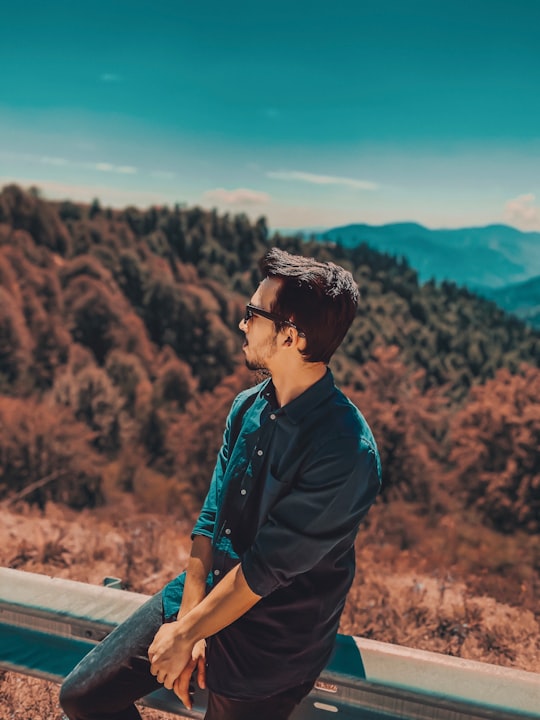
(193, 439)
(409, 426)
(495, 440)
(43, 445)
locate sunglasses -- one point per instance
(252, 310)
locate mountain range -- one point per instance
(499, 262)
(522, 299)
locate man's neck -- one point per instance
(290, 383)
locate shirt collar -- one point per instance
(304, 404)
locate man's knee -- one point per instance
(72, 699)
(81, 700)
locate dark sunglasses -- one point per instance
(252, 310)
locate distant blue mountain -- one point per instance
(522, 299)
(483, 257)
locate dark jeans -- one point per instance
(277, 707)
(107, 681)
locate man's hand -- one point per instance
(170, 654)
(172, 650)
(198, 660)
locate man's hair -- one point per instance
(319, 297)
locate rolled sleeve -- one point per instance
(207, 517)
(322, 509)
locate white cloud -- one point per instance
(109, 167)
(110, 78)
(323, 179)
(29, 158)
(240, 196)
(271, 113)
(522, 211)
(163, 174)
(117, 197)
(65, 162)
(53, 161)
(102, 166)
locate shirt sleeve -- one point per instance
(207, 517)
(323, 508)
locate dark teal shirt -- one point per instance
(289, 490)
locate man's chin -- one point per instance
(258, 367)
(254, 365)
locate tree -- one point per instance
(94, 209)
(97, 403)
(44, 447)
(409, 425)
(193, 438)
(15, 345)
(175, 385)
(495, 440)
(27, 211)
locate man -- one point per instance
(273, 548)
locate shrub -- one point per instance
(495, 440)
(45, 454)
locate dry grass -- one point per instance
(448, 589)
(26, 698)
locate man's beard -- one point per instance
(260, 370)
(258, 364)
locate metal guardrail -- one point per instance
(48, 624)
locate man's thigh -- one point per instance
(276, 707)
(117, 671)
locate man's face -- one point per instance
(261, 340)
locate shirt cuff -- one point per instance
(202, 530)
(257, 577)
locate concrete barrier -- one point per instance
(48, 624)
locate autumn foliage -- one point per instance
(495, 441)
(119, 359)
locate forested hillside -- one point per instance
(522, 300)
(119, 357)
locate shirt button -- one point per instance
(243, 491)
(228, 531)
(272, 416)
(216, 572)
(259, 452)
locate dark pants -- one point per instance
(277, 707)
(107, 681)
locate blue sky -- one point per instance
(311, 113)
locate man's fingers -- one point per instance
(152, 650)
(181, 684)
(201, 672)
(168, 682)
(182, 692)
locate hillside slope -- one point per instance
(399, 597)
(120, 358)
(522, 300)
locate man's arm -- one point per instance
(322, 509)
(171, 651)
(198, 567)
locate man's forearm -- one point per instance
(198, 567)
(228, 601)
